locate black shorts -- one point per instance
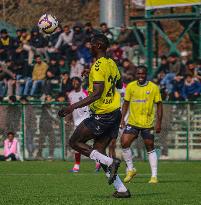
(146, 133)
(104, 124)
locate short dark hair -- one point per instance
(77, 78)
(102, 39)
(190, 62)
(88, 24)
(174, 54)
(103, 24)
(125, 60)
(37, 56)
(4, 31)
(163, 57)
(10, 133)
(142, 67)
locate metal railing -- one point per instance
(43, 135)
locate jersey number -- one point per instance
(111, 90)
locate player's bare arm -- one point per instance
(124, 111)
(159, 113)
(96, 94)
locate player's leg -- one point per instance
(153, 161)
(112, 147)
(81, 135)
(112, 153)
(77, 159)
(101, 144)
(129, 135)
(76, 167)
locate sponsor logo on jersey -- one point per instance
(128, 127)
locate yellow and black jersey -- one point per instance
(142, 100)
(105, 70)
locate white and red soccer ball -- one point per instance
(48, 23)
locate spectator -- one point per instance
(164, 66)
(198, 76)
(84, 54)
(106, 31)
(16, 41)
(191, 89)
(11, 148)
(129, 71)
(38, 77)
(89, 31)
(66, 85)
(191, 67)
(178, 84)
(176, 68)
(64, 42)
(78, 36)
(175, 65)
(6, 46)
(24, 40)
(63, 66)
(38, 44)
(11, 79)
(65, 38)
(116, 52)
(53, 38)
(126, 36)
(73, 53)
(51, 75)
(76, 69)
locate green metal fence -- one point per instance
(45, 136)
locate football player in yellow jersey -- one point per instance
(103, 124)
(140, 97)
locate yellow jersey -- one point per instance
(142, 100)
(105, 70)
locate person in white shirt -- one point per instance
(76, 68)
(65, 38)
(79, 114)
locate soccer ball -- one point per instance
(48, 23)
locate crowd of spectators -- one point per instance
(179, 80)
(36, 66)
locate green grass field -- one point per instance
(50, 183)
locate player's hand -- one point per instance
(158, 128)
(122, 124)
(65, 111)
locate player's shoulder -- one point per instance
(152, 84)
(99, 64)
(131, 84)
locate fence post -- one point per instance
(187, 131)
(23, 128)
(62, 138)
